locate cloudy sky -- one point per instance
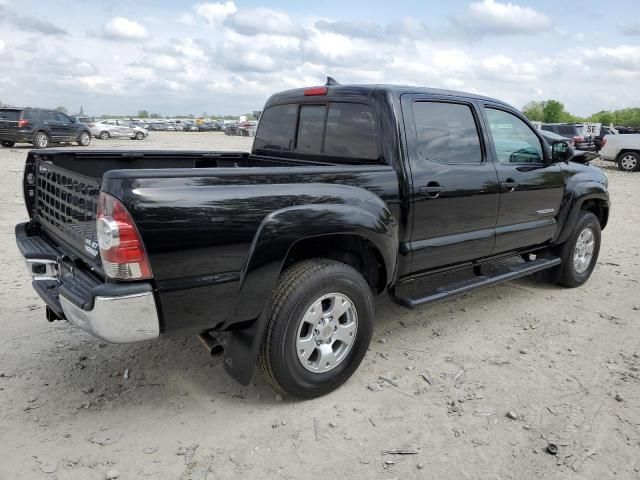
(172, 57)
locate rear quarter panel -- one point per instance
(200, 225)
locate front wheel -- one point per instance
(629, 161)
(579, 253)
(319, 329)
(7, 143)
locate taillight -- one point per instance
(121, 248)
(315, 91)
(23, 123)
(578, 138)
(603, 142)
(91, 125)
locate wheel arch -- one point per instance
(589, 196)
(292, 234)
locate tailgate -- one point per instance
(65, 208)
(9, 120)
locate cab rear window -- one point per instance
(336, 129)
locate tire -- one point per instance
(300, 288)
(569, 275)
(41, 140)
(139, 136)
(629, 161)
(84, 139)
(7, 143)
(104, 135)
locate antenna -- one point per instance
(331, 81)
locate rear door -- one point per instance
(455, 186)
(124, 129)
(531, 188)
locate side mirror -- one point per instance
(561, 152)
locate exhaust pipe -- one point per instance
(213, 344)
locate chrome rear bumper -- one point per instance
(113, 312)
(125, 319)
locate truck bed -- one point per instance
(67, 183)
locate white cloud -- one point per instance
(161, 62)
(121, 28)
(492, 17)
(215, 13)
(2, 47)
(263, 20)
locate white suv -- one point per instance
(624, 149)
(105, 129)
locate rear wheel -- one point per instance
(579, 253)
(41, 140)
(139, 136)
(629, 161)
(7, 143)
(319, 330)
(84, 139)
(104, 135)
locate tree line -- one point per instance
(553, 111)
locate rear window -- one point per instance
(351, 131)
(277, 128)
(339, 129)
(311, 128)
(10, 115)
(567, 130)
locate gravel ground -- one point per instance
(471, 388)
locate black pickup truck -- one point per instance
(349, 192)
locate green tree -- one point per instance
(143, 114)
(155, 115)
(552, 111)
(534, 111)
(61, 109)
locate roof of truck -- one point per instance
(366, 89)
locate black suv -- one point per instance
(573, 132)
(40, 127)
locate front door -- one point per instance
(455, 186)
(66, 127)
(54, 124)
(531, 187)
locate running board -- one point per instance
(478, 282)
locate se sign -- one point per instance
(591, 129)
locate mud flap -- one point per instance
(243, 346)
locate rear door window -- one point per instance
(447, 132)
(351, 131)
(277, 128)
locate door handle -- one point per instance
(510, 185)
(432, 189)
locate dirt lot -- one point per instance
(565, 363)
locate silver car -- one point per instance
(105, 129)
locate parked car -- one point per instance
(579, 156)
(381, 186)
(40, 127)
(572, 131)
(83, 119)
(105, 129)
(622, 149)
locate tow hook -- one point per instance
(214, 344)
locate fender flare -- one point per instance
(276, 236)
(583, 192)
